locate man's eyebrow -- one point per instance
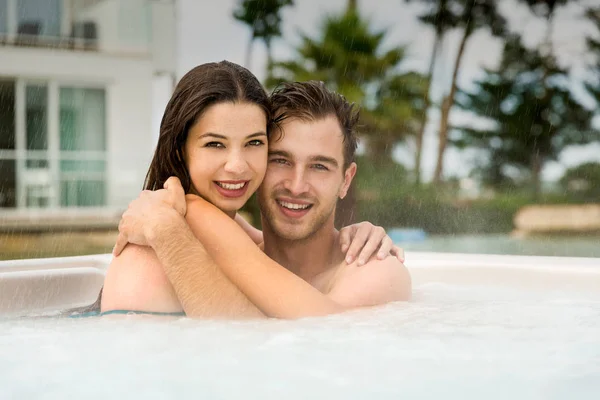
(325, 159)
(279, 153)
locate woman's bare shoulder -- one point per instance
(136, 280)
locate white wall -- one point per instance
(164, 39)
(123, 26)
(128, 83)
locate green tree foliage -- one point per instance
(263, 17)
(534, 114)
(347, 56)
(397, 114)
(583, 182)
(593, 44)
(546, 8)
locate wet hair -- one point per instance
(200, 88)
(203, 86)
(312, 101)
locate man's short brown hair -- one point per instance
(312, 101)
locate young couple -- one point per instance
(182, 247)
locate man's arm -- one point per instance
(202, 288)
(255, 234)
(377, 282)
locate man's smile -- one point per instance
(293, 208)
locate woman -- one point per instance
(215, 127)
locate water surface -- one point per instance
(450, 342)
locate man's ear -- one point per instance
(348, 176)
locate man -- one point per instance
(311, 165)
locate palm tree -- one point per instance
(400, 105)
(471, 15)
(347, 56)
(441, 20)
(263, 17)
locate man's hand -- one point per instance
(364, 239)
(152, 209)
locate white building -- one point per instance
(76, 89)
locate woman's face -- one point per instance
(226, 154)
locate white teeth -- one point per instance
(293, 206)
(231, 186)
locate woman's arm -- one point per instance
(272, 288)
(136, 278)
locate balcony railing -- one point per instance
(121, 26)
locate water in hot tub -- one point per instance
(449, 342)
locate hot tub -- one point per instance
(478, 327)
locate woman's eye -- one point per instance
(256, 142)
(214, 144)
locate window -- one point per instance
(8, 183)
(36, 175)
(82, 147)
(3, 17)
(46, 166)
(39, 18)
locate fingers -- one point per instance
(359, 240)
(173, 186)
(386, 247)
(374, 242)
(120, 245)
(398, 252)
(346, 234)
(122, 238)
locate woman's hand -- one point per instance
(364, 239)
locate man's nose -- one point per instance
(296, 184)
(236, 163)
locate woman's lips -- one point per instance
(232, 189)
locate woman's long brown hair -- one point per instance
(200, 88)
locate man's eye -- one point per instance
(214, 144)
(321, 167)
(256, 142)
(279, 160)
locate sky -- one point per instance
(207, 32)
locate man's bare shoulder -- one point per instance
(376, 282)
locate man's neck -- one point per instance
(308, 257)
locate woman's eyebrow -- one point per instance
(257, 134)
(218, 136)
(214, 135)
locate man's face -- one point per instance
(305, 177)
